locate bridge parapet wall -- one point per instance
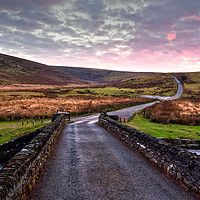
(9, 149)
(181, 165)
(19, 174)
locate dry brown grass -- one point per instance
(28, 87)
(15, 108)
(185, 111)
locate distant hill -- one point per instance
(99, 75)
(15, 70)
(148, 80)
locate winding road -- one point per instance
(176, 96)
(128, 112)
(88, 163)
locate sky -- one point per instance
(126, 35)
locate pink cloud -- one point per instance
(196, 17)
(50, 3)
(171, 36)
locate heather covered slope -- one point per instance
(150, 84)
(100, 75)
(15, 70)
(147, 83)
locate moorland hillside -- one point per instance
(15, 70)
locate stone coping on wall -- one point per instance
(182, 143)
(181, 165)
(19, 174)
(9, 149)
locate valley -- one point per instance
(32, 90)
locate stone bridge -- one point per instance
(90, 161)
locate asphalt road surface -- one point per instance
(91, 164)
(127, 112)
(176, 96)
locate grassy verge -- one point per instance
(164, 130)
(12, 130)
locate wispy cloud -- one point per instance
(134, 35)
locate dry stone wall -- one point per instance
(18, 176)
(179, 164)
(9, 149)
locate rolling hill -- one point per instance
(15, 70)
(99, 75)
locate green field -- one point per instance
(164, 130)
(107, 91)
(12, 130)
(115, 91)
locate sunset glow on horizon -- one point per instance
(137, 35)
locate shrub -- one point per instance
(185, 112)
